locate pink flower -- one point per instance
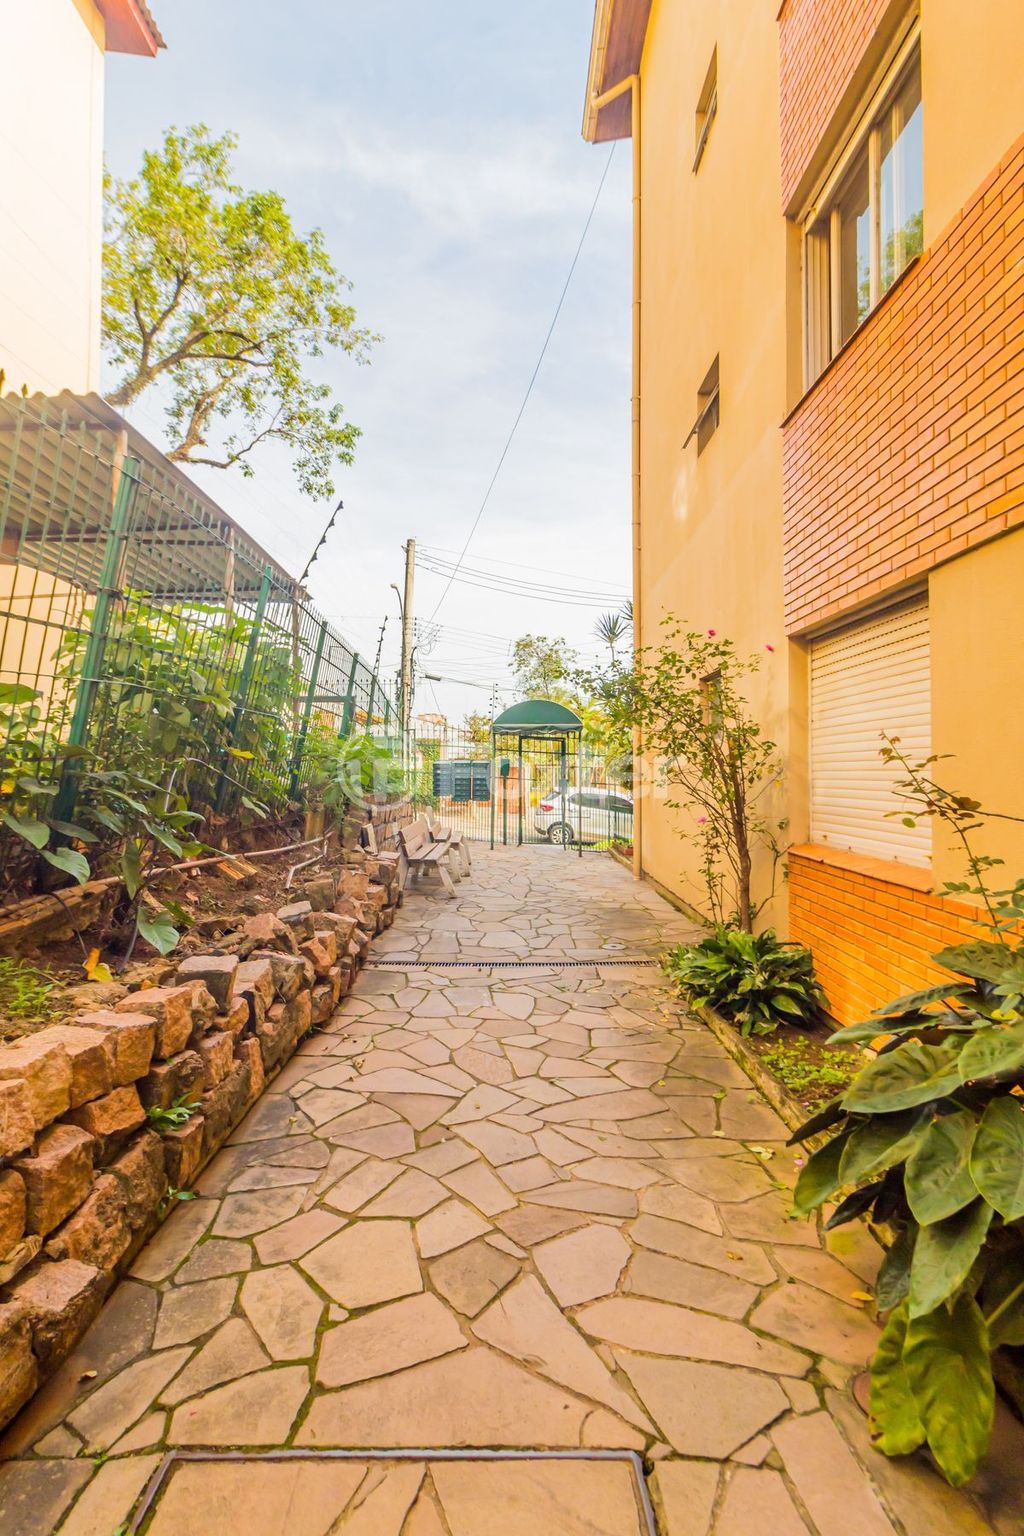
(769, 648)
(701, 820)
(712, 633)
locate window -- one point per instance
(868, 225)
(706, 424)
(867, 678)
(707, 107)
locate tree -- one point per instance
(687, 698)
(612, 628)
(542, 665)
(477, 729)
(210, 292)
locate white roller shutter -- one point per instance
(871, 677)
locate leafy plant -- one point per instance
(929, 1139)
(687, 699)
(800, 1073)
(23, 991)
(754, 980)
(32, 759)
(177, 1114)
(211, 292)
(347, 771)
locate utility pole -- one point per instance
(407, 634)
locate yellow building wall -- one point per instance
(972, 78)
(713, 282)
(977, 662)
(51, 166)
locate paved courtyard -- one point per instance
(490, 1210)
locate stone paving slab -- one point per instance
(533, 1210)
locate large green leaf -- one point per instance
(892, 1282)
(997, 1051)
(943, 1256)
(69, 861)
(880, 1142)
(895, 1421)
(986, 960)
(131, 868)
(1003, 1299)
(946, 1357)
(913, 1074)
(823, 1120)
(937, 1178)
(915, 1000)
(997, 1157)
(157, 928)
(819, 1177)
(35, 832)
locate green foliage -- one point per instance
(753, 980)
(211, 293)
(687, 698)
(929, 1139)
(349, 770)
(170, 695)
(543, 667)
(613, 630)
(177, 1114)
(23, 992)
(800, 1073)
(32, 761)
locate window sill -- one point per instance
(851, 341)
(893, 873)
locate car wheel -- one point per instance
(560, 833)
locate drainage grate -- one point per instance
(157, 1485)
(426, 964)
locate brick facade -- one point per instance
(872, 938)
(821, 43)
(909, 450)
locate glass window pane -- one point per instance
(853, 207)
(902, 189)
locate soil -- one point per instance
(810, 1070)
(215, 901)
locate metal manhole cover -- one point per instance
(324, 1493)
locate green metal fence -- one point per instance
(138, 622)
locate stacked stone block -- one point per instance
(87, 1166)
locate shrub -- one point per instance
(929, 1139)
(23, 992)
(754, 980)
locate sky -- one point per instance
(438, 147)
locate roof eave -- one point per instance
(616, 48)
(130, 27)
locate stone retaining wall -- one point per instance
(86, 1171)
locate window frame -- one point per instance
(709, 413)
(822, 293)
(707, 109)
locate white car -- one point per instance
(598, 814)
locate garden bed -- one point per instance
(796, 1069)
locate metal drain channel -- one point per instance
(426, 964)
(173, 1458)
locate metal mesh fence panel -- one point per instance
(142, 626)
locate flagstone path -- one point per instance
(485, 1209)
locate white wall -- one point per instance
(51, 162)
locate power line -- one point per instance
(533, 380)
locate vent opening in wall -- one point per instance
(865, 679)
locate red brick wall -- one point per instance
(910, 448)
(871, 938)
(821, 42)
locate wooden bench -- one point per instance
(419, 852)
(455, 841)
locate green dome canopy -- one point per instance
(536, 717)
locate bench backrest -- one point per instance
(415, 837)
